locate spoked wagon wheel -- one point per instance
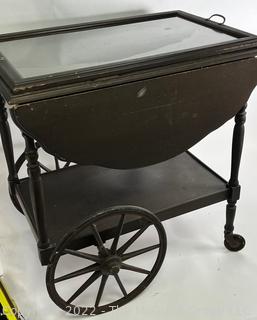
(57, 165)
(112, 262)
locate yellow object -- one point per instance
(8, 309)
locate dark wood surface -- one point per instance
(168, 189)
(141, 123)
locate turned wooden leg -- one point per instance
(235, 242)
(36, 193)
(7, 143)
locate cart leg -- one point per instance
(37, 198)
(234, 242)
(8, 151)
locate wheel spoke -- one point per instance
(135, 269)
(44, 167)
(116, 239)
(139, 252)
(19, 163)
(67, 164)
(88, 283)
(101, 290)
(126, 245)
(123, 290)
(93, 267)
(99, 241)
(57, 164)
(83, 255)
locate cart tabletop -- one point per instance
(46, 59)
(39, 56)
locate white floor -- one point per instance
(199, 279)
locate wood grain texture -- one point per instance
(143, 122)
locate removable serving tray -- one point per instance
(56, 61)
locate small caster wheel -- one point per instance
(234, 242)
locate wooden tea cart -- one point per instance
(120, 102)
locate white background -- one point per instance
(199, 279)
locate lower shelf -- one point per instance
(168, 189)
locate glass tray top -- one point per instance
(56, 53)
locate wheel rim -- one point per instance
(108, 262)
(58, 163)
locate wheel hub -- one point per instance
(111, 265)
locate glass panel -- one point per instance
(71, 51)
